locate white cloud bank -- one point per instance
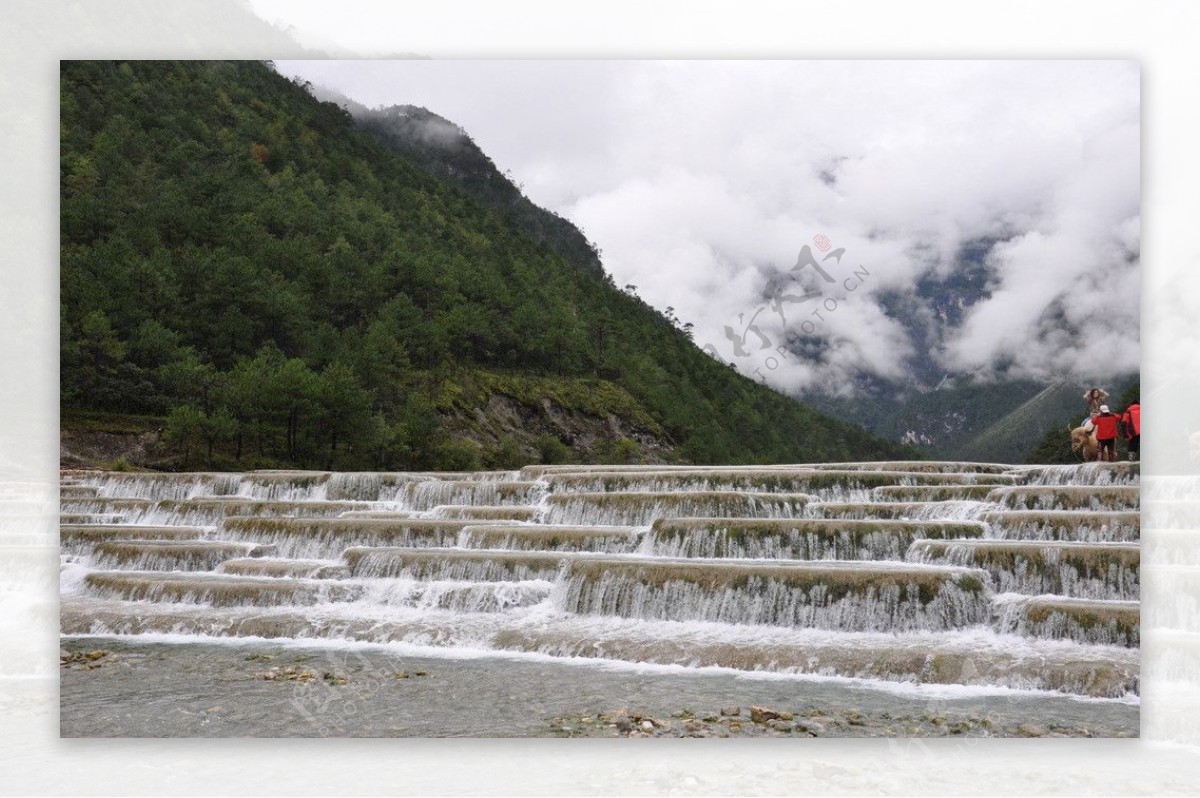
(700, 179)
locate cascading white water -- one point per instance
(1066, 525)
(798, 538)
(967, 573)
(428, 494)
(1068, 497)
(172, 555)
(1095, 474)
(634, 508)
(1077, 570)
(327, 538)
(1100, 622)
(546, 537)
(827, 595)
(458, 596)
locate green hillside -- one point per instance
(1055, 444)
(447, 152)
(947, 419)
(1010, 436)
(244, 262)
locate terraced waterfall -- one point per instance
(1024, 577)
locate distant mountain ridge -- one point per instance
(958, 415)
(967, 418)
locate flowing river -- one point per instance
(553, 592)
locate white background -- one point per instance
(35, 34)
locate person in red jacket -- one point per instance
(1131, 420)
(1106, 425)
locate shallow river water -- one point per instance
(147, 688)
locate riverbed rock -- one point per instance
(289, 673)
(813, 727)
(757, 723)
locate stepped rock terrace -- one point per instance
(1079, 525)
(644, 507)
(799, 538)
(1068, 497)
(1084, 570)
(977, 574)
(776, 480)
(827, 595)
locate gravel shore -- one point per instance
(133, 687)
(758, 721)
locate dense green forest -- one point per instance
(444, 150)
(283, 289)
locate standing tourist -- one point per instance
(1131, 421)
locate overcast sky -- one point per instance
(699, 180)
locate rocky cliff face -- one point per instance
(112, 449)
(529, 427)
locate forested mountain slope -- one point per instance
(446, 151)
(248, 263)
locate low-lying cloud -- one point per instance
(701, 181)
